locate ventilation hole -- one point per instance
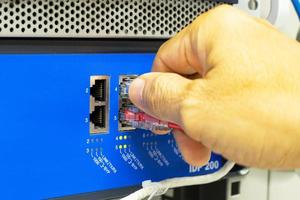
(81, 17)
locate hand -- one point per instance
(232, 82)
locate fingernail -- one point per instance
(136, 91)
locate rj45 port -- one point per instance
(124, 101)
(99, 102)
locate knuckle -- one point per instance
(226, 18)
(224, 11)
(221, 22)
(225, 8)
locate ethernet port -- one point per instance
(125, 127)
(124, 82)
(99, 87)
(98, 120)
(99, 102)
(124, 101)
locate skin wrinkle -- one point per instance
(208, 64)
(190, 42)
(286, 151)
(165, 66)
(184, 44)
(159, 59)
(184, 97)
(282, 159)
(201, 56)
(261, 152)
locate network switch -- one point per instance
(70, 140)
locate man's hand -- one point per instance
(232, 82)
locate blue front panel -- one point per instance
(45, 146)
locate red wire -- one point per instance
(142, 117)
(174, 126)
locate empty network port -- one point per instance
(124, 101)
(99, 87)
(98, 120)
(99, 102)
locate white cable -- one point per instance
(151, 189)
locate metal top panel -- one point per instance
(98, 18)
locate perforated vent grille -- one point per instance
(98, 18)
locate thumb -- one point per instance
(160, 94)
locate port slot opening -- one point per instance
(98, 90)
(98, 119)
(99, 103)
